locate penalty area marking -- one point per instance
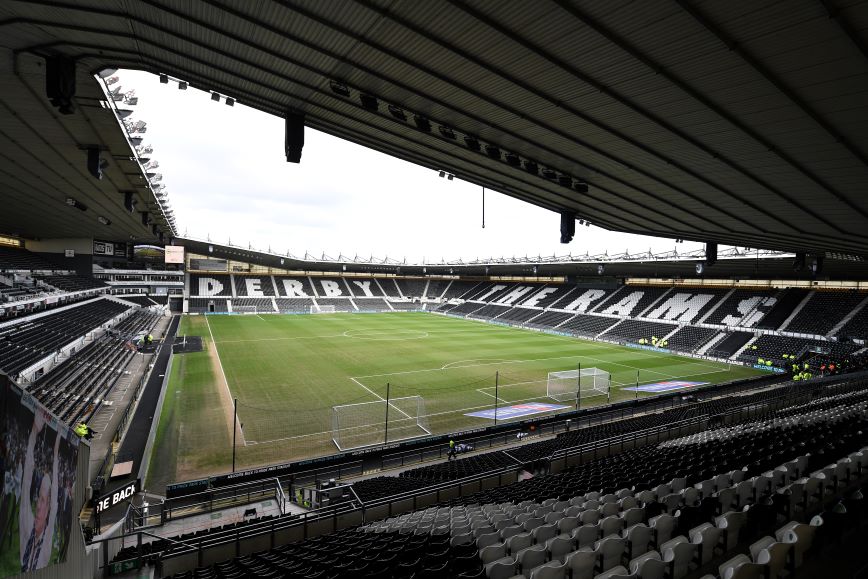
(465, 364)
(382, 336)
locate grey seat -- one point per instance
(559, 547)
(492, 553)
(706, 537)
(581, 564)
(619, 572)
(638, 539)
(529, 558)
(503, 568)
(678, 553)
(518, 542)
(550, 570)
(610, 551)
(741, 567)
(649, 566)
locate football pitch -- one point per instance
(289, 371)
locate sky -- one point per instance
(228, 180)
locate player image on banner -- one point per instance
(39, 457)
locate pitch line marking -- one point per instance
(461, 364)
(380, 397)
(225, 381)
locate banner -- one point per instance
(39, 457)
(174, 254)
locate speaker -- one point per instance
(60, 83)
(94, 163)
(294, 136)
(710, 253)
(817, 266)
(568, 226)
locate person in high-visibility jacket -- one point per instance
(81, 429)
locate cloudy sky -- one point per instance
(228, 178)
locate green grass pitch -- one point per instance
(288, 371)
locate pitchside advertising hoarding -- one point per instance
(39, 456)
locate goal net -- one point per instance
(564, 386)
(245, 309)
(322, 309)
(365, 423)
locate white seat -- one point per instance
(800, 536)
(586, 535)
(663, 526)
(772, 554)
(612, 525)
(633, 516)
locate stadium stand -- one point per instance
(340, 304)
(857, 326)
(143, 301)
(204, 305)
(77, 386)
(405, 306)
(71, 283)
(632, 330)
(12, 259)
(823, 311)
(743, 308)
(293, 287)
(733, 342)
(30, 341)
(262, 305)
(294, 305)
(550, 320)
(489, 312)
(457, 289)
(436, 288)
(519, 315)
(588, 326)
(466, 308)
(409, 288)
(253, 286)
(210, 285)
(372, 305)
(776, 347)
(691, 338)
(787, 301)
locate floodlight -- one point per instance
(472, 143)
(339, 88)
(182, 85)
(447, 132)
(549, 174)
(442, 174)
(397, 113)
(230, 101)
(164, 79)
(369, 102)
(450, 177)
(215, 97)
(103, 220)
(422, 123)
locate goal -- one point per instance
(564, 386)
(371, 423)
(245, 309)
(322, 309)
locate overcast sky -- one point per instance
(227, 177)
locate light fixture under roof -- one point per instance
(103, 220)
(182, 85)
(230, 101)
(215, 97)
(164, 78)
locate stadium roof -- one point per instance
(742, 122)
(732, 265)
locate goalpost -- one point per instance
(371, 423)
(565, 385)
(322, 309)
(245, 309)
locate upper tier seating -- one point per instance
(72, 283)
(857, 327)
(410, 288)
(744, 308)
(769, 347)
(73, 389)
(436, 287)
(12, 259)
(24, 344)
(787, 301)
(823, 311)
